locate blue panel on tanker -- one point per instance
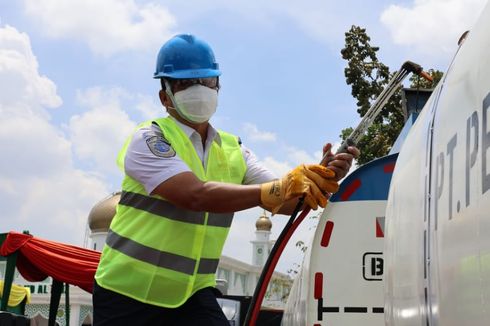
(369, 182)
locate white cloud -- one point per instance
(57, 206)
(431, 26)
(298, 156)
(148, 108)
(21, 83)
(40, 189)
(294, 156)
(99, 133)
(107, 26)
(30, 145)
(280, 168)
(254, 134)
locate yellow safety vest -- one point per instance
(158, 253)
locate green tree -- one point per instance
(367, 76)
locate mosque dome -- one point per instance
(101, 214)
(263, 223)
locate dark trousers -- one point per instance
(113, 309)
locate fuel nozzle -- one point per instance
(416, 69)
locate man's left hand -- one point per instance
(342, 162)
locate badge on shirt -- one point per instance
(160, 147)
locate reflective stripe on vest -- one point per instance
(159, 258)
(165, 209)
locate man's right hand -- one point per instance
(315, 182)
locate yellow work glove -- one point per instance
(312, 181)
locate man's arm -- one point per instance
(171, 178)
(187, 191)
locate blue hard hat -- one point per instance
(186, 56)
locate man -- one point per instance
(183, 182)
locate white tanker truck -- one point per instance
(406, 240)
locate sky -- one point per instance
(76, 78)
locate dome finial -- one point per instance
(263, 223)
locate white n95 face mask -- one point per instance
(196, 103)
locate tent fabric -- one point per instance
(17, 294)
(39, 258)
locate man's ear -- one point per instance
(164, 98)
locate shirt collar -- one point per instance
(188, 131)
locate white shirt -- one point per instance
(150, 161)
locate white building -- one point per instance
(234, 277)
